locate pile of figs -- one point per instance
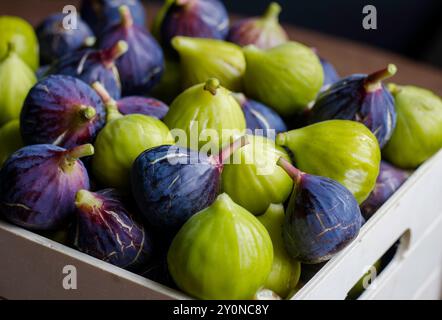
(214, 157)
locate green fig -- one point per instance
(286, 271)
(205, 58)
(208, 114)
(287, 77)
(222, 252)
(342, 150)
(418, 133)
(10, 140)
(122, 140)
(16, 80)
(253, 179)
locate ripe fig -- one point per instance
(205, 58)
(94, 65)
(389, 180)
(361, 98)
(141, 67)
(342, 150)
(264, 32)
(286, 78)
(222, 252)
(10, 139)
(103, 14)
(122, 140)
(322, 217)
(63, 111)
(418, 134)
(142, 105)
(170, 183)
(330, 74)
(57, 40)
(106, 230)
(253, 180)
(285, 273)
(209, 115)
(260, 119)
(38, 185)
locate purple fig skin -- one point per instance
(361, 98)
(141, 67)
(63, 111)
(330, 74)
(56, 41)
(390, 179)
(105, 230)
(38, 184)
(142, 105)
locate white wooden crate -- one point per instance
(31, 266)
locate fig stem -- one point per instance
(113, 53)
(84, 150)
(102, 92)
(87, 112)
(126, 16)
(375, 78)
(212, 85)
(183, 2)
(293, 172)
(86, 199)
(227, 151)
(272, 12)
(112, 111)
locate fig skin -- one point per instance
(264, 32)
(322, 217)
(418, 134)
(63, 111)
(141, 67)
(10, 140)
(222, 252)
(390, 179)
(361, 98)
(38, 184)
(142, 105)
(170, 85)
(56, 41)
(342, 150)
(330, 74)
(106, 230)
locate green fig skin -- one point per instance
(342, 150)
(209, 58)
(418, 133)
(203, 108)
(10, 140)
(222, 252)
(287, 77)
(285, 273)
(253, 179)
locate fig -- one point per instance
(260, 119)
(418, 134)
(342, 150)
(389, 180)
(264, 32)
(285, 273)
(63, 111)
(21, 34)
(100, 15)
(92, 65)
(170, 184)
(16, 80)
(330, 74)
(286, 78)
(169, 86)
(122, 140)
(322, 217)
(106, 230)
(56, 41)
(222, 252)
(142, 105)
(253, 180)
(42, 71)
(38, 184)
(209, 115)
(142, 65)
(10, 139)
(205, 58)
(360, 98)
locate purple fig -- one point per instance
(322, 217)
(56, 40)
(170, 183)
(142, 105)
(63, 111)
(142, 66)
(105, 230)
(264, 32)
(94, 65)
(389, 180)
(330, 74)
(103, 14)
(38, 185)
(361, 98)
